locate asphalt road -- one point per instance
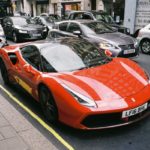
(132, 137)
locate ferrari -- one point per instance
(77, 84)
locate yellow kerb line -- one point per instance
(46, 126)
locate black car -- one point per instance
(102, 35)
(98, 16)
(21, 29)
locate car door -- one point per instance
(31, 70)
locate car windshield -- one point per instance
(54, 17)
(77, 55)
(104, 17)
(20, 21)
(99, 27)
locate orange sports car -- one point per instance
(77, 84)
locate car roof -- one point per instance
(80, 21)
(88, 11)
(45, 43)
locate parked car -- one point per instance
(77, 84)
(102, 35)
(21, 29)
(144, 39)
(98, 16)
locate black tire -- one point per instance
(4, 73)
(48, 104)
(145, 46)
(15, 37)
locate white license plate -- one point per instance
(130, 51)
(134, 111)
(36, 34)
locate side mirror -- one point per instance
(8, 24)
(29, 69)
(108, 53)
(78, 33)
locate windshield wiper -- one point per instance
(99, 62)
(82, 68)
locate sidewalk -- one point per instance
(17, 133)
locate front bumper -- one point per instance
(97, 118)
(31, 36)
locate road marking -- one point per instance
(46, 126)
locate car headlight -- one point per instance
(45, 30)
(23, 31)
(83, 100)
(128, 30)
(105, 45)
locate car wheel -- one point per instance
(15, 38)
(145, 46)
(4, 73)
(48, 104)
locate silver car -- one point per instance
(144, 39)
(102, 35)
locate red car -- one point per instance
(77, 84)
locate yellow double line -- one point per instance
(38, 119)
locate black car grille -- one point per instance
(36, 31)
(106, 120)
(127, 47)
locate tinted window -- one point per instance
(63, 26)
(32, 56)
(99, 27)
(86, 16)
(73, 27)
(104, 17)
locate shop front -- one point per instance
(5, 8)
(42, 6)
(62, 7)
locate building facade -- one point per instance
(36, 7)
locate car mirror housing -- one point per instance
(78, 33)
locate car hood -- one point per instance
(116, 38)
(118, 79)
(29, 27)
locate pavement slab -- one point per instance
(17, 133)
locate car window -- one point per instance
(63, 26)
(32, 56)
(46, 66)
(86, 16)
(78, 16)
(55, 35)
(73, 27)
